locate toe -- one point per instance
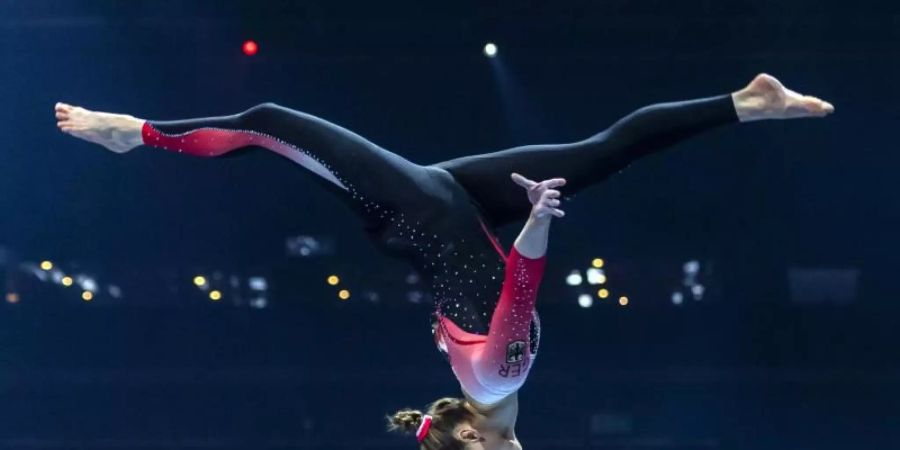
(822, 106)
(62, 115)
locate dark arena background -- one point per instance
(738, 292)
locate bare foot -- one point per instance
(117, 132)
(766, 98)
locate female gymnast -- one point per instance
(440, 218)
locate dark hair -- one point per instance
(445, 414)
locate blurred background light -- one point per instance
(258, 303)
(574, 278)
(697, 290)
(595, 276)
(87, 283)
(258, 283)
(250, 47)
(585, 301)
(490, 50)
(692, 267)
(114, 291)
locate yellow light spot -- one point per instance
(623, 301)
(67, 281)
(344, 294)
(215, 296)
(601, 279)
(46, 265)
(602, 293)
(12, 297)
(597, 263)
(199, 280)
(87, 296)
(333, 280)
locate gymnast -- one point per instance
(441, 219)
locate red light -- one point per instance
(250, 48)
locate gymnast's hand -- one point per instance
(543, 195)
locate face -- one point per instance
(485, 439)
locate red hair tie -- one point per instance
(423, 428)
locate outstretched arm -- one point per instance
(502, 364)
(505, 359)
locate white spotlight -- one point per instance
(585, 301)
(677, 298)
(258, 284)
(490, 50)
(87, 283)
(114, 291)
(57, 276)
(595, 276)
(39, 273)
(698, 291)
(574, 278)
(415, 296)
(691, 267)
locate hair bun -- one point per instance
(405, 421)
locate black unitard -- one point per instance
(439, 217)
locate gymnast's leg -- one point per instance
(367, 177)
(647, 130)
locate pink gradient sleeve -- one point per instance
(492, 367)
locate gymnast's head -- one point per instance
(453, 426)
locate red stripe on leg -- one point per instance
(202, 142)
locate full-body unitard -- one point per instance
(440, 217)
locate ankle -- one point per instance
(130, 130)
(748, 105)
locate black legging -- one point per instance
(587, 162)
(439, 217)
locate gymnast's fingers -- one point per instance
(554, 183)
(522, 181)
